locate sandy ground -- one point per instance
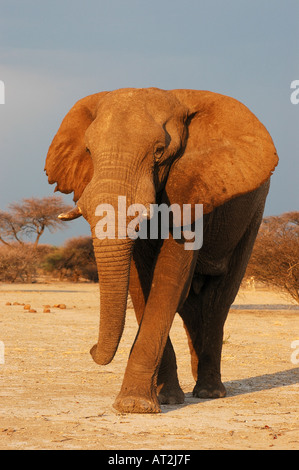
(52, 395)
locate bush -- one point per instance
(275, 256)
(20, 263)
(25, 263)
(73, 261)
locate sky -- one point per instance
(54, 53)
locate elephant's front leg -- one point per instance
(170, 284)
(168, 387)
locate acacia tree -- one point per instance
(275, 257)
(10, 228)
(30, 218)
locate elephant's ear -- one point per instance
(228, 152)
(68, 163)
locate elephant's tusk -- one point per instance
(71, 215)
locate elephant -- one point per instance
(154, 146)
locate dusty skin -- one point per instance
(53, 396)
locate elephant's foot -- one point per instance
(209, 389)
(171, 396)
(136, 404)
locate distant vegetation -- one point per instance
(275, 258)
(274, 261)
(29, 219)
(22, 260)
(74, 260)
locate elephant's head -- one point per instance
(189, 146)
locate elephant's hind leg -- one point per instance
(168, 387)
(204, 314)
(203, 321)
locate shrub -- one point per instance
(20, 263)
(275, 256)
(73, 261)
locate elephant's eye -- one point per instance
(87, 150)
(159, 150)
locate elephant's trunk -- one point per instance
(113, 257)
(113, 251)
(113, 261)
